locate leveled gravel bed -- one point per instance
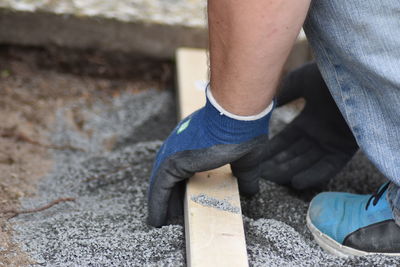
(106, 226)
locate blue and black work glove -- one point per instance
(205, 140)
(318, 143)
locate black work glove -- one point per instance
(205, 140)
(318, 143)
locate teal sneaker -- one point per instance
(354, 225)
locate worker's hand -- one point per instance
(205, 140)
(317, 144)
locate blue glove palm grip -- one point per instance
(205, 128)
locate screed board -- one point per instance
(213, 218)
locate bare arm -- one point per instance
(250, 41)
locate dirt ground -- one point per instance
(34, 82)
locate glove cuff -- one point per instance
(217, 106)
(226, 128)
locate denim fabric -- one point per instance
(357, 48)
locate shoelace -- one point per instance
(377, 195)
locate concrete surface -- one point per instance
(146, 28)
(106, 225)
(152, 28)
(189, 13)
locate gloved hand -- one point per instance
(205, 140)
(317, 144)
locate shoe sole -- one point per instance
(334, 247)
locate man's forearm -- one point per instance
(250, 41)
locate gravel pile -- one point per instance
(106, 225)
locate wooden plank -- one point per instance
(192, 78)
(213, 218)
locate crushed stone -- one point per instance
(208, 201)
(106, 226)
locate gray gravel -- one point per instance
(208, 201)
(106, 225)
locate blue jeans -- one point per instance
(357, 48)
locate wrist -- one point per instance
(240, 101)
(223, 111)
(232, 128)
